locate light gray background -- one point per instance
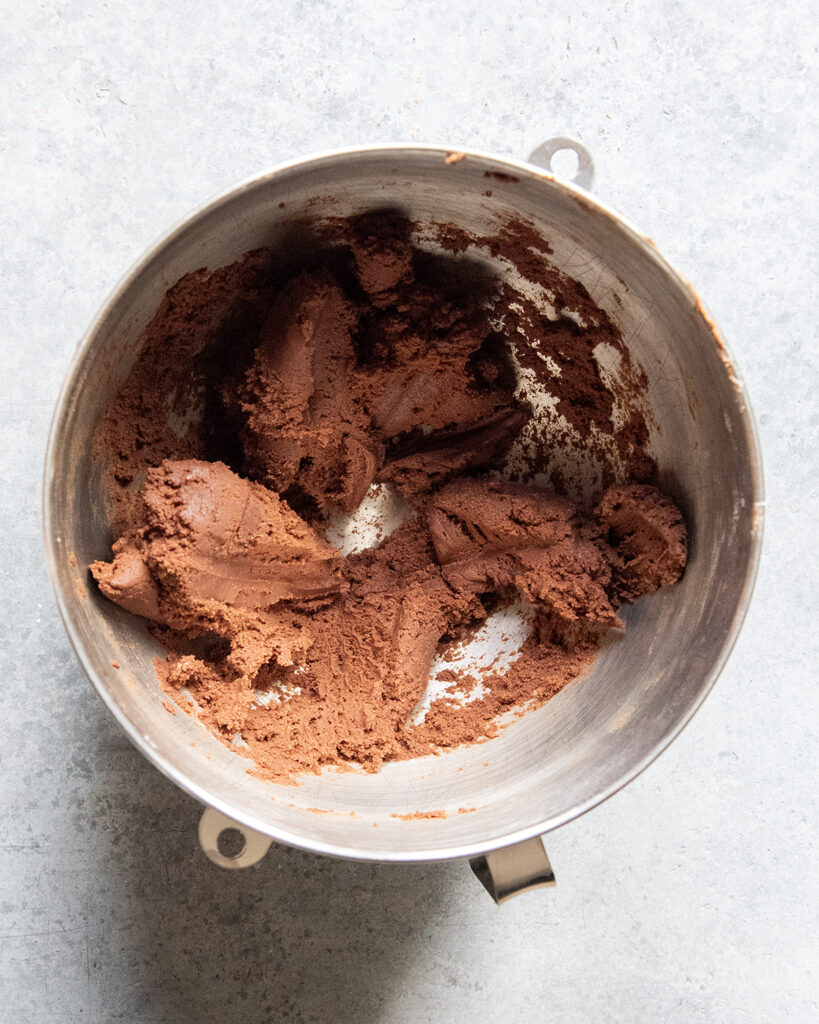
(690, 896)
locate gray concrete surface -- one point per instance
(689, 897)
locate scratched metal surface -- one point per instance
(688, 897)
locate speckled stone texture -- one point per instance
(689, 897)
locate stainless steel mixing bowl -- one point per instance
(598, 733)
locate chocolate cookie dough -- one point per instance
(261, 408)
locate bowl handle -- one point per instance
(503, 873)
(542, 156)
(514, 869)
(211, 826)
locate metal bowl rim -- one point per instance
(412, 853)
